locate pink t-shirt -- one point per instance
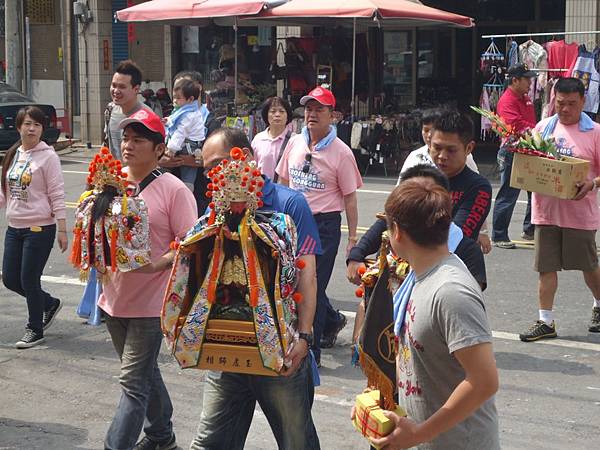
(172, 212)
(35, 189)
(580, 214)
(332, 173)
(266, 150)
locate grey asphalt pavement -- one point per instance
(62, 395)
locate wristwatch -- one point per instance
(308, 337)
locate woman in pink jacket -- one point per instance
(34, 196)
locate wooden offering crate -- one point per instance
(557, 178)
(230, 346)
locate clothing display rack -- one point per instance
(557, 33)
(550, 59)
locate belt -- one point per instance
(327, 215)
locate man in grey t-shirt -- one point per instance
(446, 370)
(124, 89)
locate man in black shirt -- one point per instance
(468, 250)
(451, 143)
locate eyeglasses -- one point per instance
(307, 162)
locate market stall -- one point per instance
(388, 122)
(364, 50)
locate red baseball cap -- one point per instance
(320, 94)
(147, 118)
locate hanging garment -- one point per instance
(513, 54)
(486, 124)
(585, 70)
(355, 136)
(561, 56)
(535, 57)
(548, 101)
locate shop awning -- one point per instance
(190, 10)
(367, 12)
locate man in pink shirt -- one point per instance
(132, 301)
(516, 109)
(565, 230)
(318, 164)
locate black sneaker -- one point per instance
(527, 236)
(148, 444)
(30, 339)
(50, 315)
(595, 322)
(540, 330)
(328, 339)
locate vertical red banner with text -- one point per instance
(130, 26)
(105, 54)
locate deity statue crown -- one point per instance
(105, 170)
(235, 185)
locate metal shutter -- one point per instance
(120, 46)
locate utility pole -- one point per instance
(13, 26)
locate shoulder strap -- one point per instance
(107, 115)
(149, 179)
(281, 149)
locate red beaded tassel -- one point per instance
(114, 234)
(75, 257)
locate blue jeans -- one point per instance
(143, 392)
(188, 175)
(228, 409)
(506, 199)
(25, 255)
(330, 235)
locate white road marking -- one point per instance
(556, 342)
(352, 315)
(332, 400)
(75, 171)
(368, 191)
(515, 337)
(63, 280)
(78, 161)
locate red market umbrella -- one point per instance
(195, 12)
(390, 12)
(380, 13)
(187, 10)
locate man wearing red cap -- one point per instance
(319, 164)
(132, 301)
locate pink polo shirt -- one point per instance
(266, 150)
(580, 214)
(332, 173)
(172, 212)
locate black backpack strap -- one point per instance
(148, 179)
(281, 149)
(107, 114)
